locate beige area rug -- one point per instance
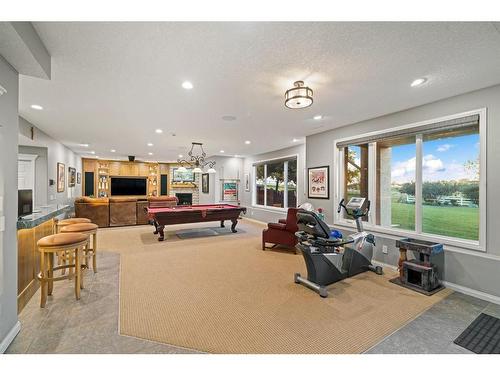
(225, 295)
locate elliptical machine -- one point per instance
(330, 259)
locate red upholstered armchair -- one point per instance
(282, 232)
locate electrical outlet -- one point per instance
(384, 249)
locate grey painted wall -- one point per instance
(8, 190)
(227, 168)
(41, 179)
(472, 270)
(56, 152)
(270, 215)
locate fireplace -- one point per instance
(185, 199)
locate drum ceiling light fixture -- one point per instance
(196, 161)
(299, 96)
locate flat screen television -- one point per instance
(128, 186)
(24, 202)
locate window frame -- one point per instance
(285, 159)
(338, 192)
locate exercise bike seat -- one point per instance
(310, 223)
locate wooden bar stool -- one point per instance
(90, 230)
(74, 220)
(48, 246)
(62, 257)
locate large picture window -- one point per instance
(426, 179)
(276, 183)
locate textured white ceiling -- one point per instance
(113, 84)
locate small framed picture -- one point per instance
(71, 177)
(318, 182)
(61, 177)
(78, 178)
(247, 181)
(205, 179)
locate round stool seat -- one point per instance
(62, 239)
(73, 220)
(79, 228)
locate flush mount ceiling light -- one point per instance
(298, 97)
(150, 144)
(418, 82)
(196, 161)
(187, 85)
(247, 142)
(92, 152)
(84, 144)
(295, 140)
(158, 131)
(113, 150)
(317, 117)
(222, 151)
(37, 107)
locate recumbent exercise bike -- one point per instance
(330, 259)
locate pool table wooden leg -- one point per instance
(156, 227)
(233, 226)
(159, 228)
(222, 224)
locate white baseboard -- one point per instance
(10, 337)
(472, 292)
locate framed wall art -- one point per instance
(318, 182)
(205, 179)
(61, 177)
(71, 177)
(229, 190)
(247, 181)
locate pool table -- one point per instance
(162, 216)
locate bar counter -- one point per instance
(30, 229)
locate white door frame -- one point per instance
(31, 158)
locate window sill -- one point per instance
(269, 208)
(450, 243)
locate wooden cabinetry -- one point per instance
(104, 170)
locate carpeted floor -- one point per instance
(222, 294)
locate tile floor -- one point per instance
(91, 324)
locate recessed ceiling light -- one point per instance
(150, 144)
(295, 140)
(158, 131)
(236, 155)
(318, 117)
(247, 142)
(229, 118)
(180, 155)
(150, 153)
(92, 152)
(113, 150)
(84, 144)
(187, 85)
(37, 107)
(418, 82)
(97, 157)
(222, 151)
